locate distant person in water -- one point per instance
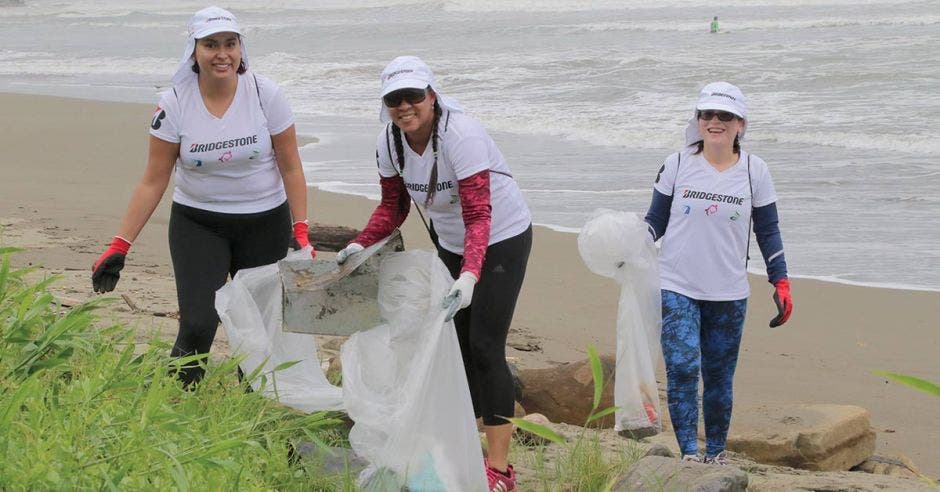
(714, 28)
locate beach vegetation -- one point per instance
(83, 406)
(921, 385)
(90, 406)
(584, 462)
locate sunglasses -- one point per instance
(412, 96)
(708, 114)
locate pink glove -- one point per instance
(784, 303)
(301, 231)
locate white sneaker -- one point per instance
(691, 457)
(718, 459)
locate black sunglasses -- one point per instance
(708, 114)
(413, 96)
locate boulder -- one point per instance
(565, 393)
(890, 463)
(817, 437)
(661, 473)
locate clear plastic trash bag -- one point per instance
(618, 245)
(405, 387)
(404, 383)
(251, 310)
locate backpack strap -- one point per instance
(750, 221)
(401, 173)
(258, 91)
(676, 178)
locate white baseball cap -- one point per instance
(207, 22)
(410, 72)
(719, 96)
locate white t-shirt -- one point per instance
(464, 149)
(225, 164)
(705, 244)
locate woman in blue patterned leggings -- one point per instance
(704, 200)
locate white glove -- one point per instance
(348, 251)
(460, 294)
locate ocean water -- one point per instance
(584, 97)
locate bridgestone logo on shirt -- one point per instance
(423, 187)
(225, 144)
(713, 197)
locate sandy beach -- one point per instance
(69, 167)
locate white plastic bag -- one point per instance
(251, 310)
(405, 387)
(617, 245)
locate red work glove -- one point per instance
(784, 303)
(301, 231)
(107, 270)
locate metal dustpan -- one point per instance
(323, 298)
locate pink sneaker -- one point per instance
(499, 482)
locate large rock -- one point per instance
(565, 393)
(891, 463)
(810, 436)
(660, 473)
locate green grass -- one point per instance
(85, 408)
(583, 463)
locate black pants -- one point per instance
(483, 326)
(206, 248)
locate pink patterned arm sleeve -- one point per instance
(391, 212)
(475, 200)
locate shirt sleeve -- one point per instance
(166, 117)
(476, 210)
(469, 155)
(666, 177)
(767, 230)
(657, 217)
(276, 108)
(762, 183)
(391, 212)
(384, 148)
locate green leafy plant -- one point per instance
(583, 465)
(87, 407)
(918, 384)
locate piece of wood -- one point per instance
(324, 237)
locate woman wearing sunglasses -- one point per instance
(435, 154)
(704, 200)
(229, 136)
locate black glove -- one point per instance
(107, 270)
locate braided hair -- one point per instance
(400, 150)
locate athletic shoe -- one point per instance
(499, 482)
(718, 459)
(691, 457)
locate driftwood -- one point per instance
(330, 238)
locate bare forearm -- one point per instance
(143, 202)
(295, 184)
(149, 191)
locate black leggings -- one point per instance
(483, 326)
(207, 247)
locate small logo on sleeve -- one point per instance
(158, 115)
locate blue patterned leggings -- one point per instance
(701, 336)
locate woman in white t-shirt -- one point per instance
(239, 184)
(704, 200)
(434, 153)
